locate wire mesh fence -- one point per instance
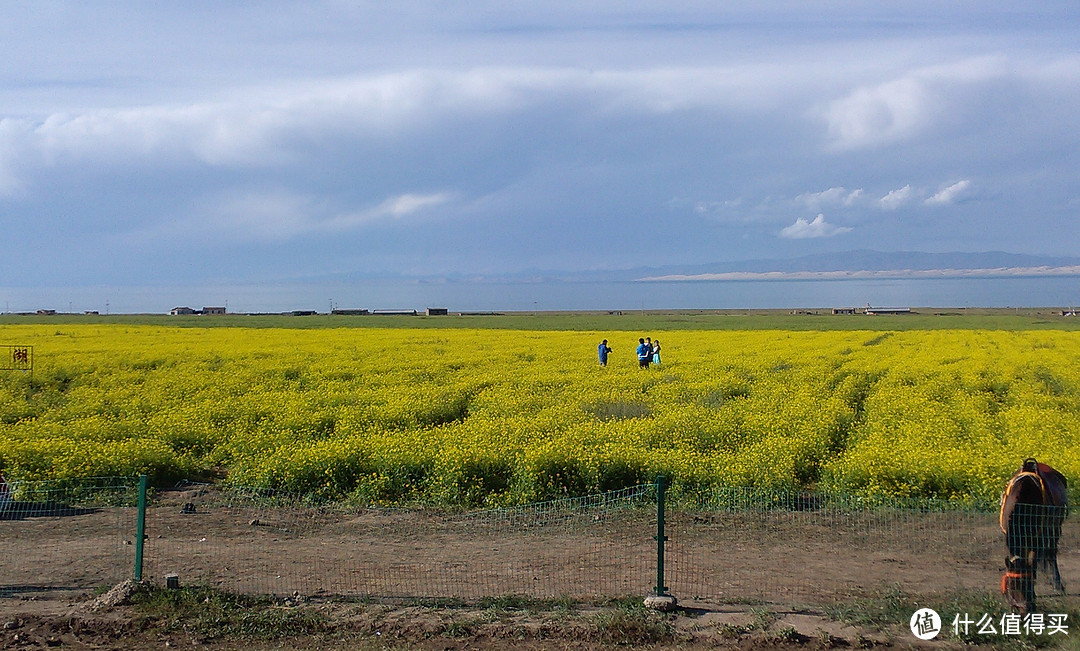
(731, 545)
(743, 544)
(274, 543)
(67, 536)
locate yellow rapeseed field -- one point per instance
(487, 417)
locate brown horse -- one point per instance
(1033, 506)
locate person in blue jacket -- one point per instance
(603, 351)
(644, 352)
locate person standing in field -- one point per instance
(603, 351)
(644, 351)
(656, 352)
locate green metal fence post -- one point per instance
(140, 527)
(661, 488)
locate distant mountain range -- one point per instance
(873, 263)
(847, 264)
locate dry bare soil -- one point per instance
(124, 619)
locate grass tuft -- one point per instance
(214, 614)
(619, 410)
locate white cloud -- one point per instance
(880, 114)
(393, 207)
(852, 197)
(803, 229)
(708, 207)
(896, 198)
(899, 109)
(705, 207)
(950, 194)
(275, 216)
(408, 204)
(145, 138)
(838, 196)
(274, 124)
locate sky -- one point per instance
(189, 144)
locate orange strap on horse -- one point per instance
(1012, 575)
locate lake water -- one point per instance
(1050, 291)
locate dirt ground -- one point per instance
(88, 622)
(401, 579)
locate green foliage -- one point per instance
(214, 614)
(633, 624)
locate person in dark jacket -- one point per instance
(603, 351)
